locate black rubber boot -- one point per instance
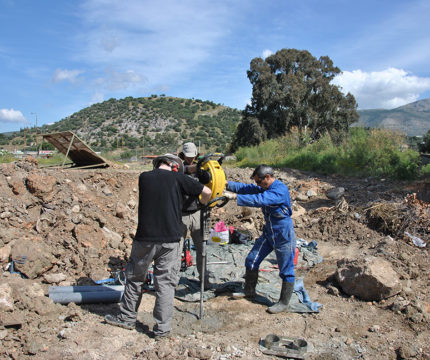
(284, 299)
(251, 279)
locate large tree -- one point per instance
(292, 89)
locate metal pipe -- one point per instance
(204, 228)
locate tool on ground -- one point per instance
(216, 182)
(187, 259)
(289, 347)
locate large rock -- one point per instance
(311, 193)
(121, 211)
(335, 193)
(31, 257)
(12, 319)
(5, 253)
(16, 184)
(6, 299)
(301, 197)
(25, 286)
(113, 239)
(297, 211)
(54, 278)
(41, 186)
(368, 279)
(89, 236)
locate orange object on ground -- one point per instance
(296, 257)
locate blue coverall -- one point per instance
(278, 231)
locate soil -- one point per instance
(68, 227)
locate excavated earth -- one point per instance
(71, 227)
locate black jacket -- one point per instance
(161, 199)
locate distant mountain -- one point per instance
(157, 123)
(412, 119)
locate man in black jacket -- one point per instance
(158, 239)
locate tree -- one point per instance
(292, 89)
(424, 146)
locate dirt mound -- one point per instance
(67, 227)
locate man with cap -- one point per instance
(158, 238)
(191, 210)
(273, 197)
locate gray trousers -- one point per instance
(192, 224)
(167, 259)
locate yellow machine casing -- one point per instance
(217, 183)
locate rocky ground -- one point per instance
(68, 227)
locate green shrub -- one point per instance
(365, 153)
(405, 165)
(425, 170)
(127, 155)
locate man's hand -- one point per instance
(205, 195)
(190, 169)
(230, 195)
(203, 176)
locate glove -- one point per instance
(230, 195)
(203, 176)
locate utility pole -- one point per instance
(37, 147)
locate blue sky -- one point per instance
(58, 57)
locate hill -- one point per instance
(157, 123)
(413, 119)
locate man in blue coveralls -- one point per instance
(273, 197)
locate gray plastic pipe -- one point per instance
(87, 288)
(86, 294)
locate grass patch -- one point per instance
(56, 159)
(7, 158)
(375, 152)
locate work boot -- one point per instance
(116, 321)
(162, 336)
(284, 299)
(251, 279)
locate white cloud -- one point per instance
(267, 53)
(161, 40)
(116, 80)
(66, 75)
(12, 116)
(385, 89)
